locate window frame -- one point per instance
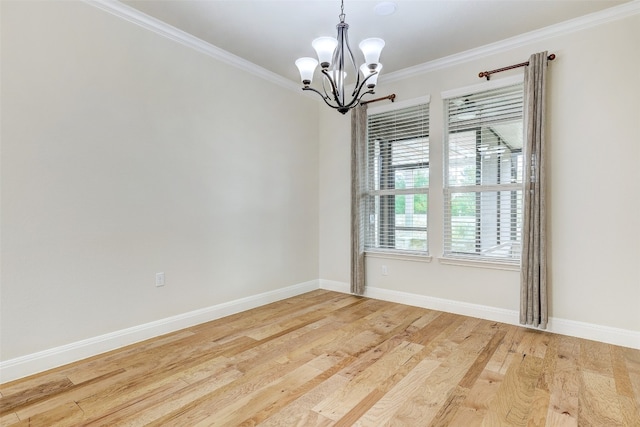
(370, 191)
(465, 258)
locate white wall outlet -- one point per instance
(159, 279)
(385, 270)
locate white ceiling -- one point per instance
(273, 34)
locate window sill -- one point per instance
(466, 262)
(399, 255)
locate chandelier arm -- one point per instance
(357, 96)
(369, 92)
(356, 93)
(353, 61)
(324, 98)
(338, 64)
(324, 89)
(356, 100)
(334, 89)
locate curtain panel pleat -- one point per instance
(533, 273)
(358, 146)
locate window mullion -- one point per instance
(399, 191)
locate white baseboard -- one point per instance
(332, 285)
(590, 331)
(41, 361)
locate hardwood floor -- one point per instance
(330, 359)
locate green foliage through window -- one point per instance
(463, 204)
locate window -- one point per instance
(397, 179)
(483, 175)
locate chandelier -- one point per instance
(333, 54)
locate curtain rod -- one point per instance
(487, 74)
(392, 97)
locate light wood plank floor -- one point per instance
(330, 359)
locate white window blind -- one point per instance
(483, 175)
(397, 180)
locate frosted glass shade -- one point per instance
(371, 48)
(366, 71)
(306, 66)
(325, 46)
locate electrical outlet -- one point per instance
(385, 270)
(159, 279)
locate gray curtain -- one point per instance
(358, 145)
(533, 275)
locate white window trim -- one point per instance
(404, 256)
(481, 87)
(469, 260)
(398, 254)
(398, 105)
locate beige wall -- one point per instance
(594, 138)
(125, 154)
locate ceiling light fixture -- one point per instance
(385, 8)
(333, 54)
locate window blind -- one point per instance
(483, 174)
(397, 180)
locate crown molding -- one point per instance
(162, 28)
(577, 24)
